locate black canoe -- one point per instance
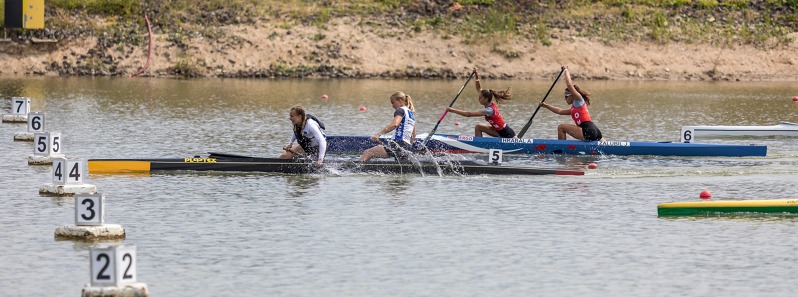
(230, 162)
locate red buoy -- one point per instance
(705, 194)
(362, 108)
(795, 99)
(324, 97)
(592, 166)
(457, 123)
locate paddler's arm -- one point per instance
(316, 130)
(397, 119)
(556, 110)
(476, 81)
(568, 81)
(290, 144)
(466, 113)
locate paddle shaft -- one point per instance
(447, 111)
(526, 127)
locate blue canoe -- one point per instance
(473, 144)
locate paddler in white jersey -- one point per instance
(400, 146)
(308, 134)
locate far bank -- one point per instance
(346, 51)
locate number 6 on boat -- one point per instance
(113, 266)
(687, 135)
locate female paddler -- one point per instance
(400, 146)
(308, 134)
(579, 99)
(489, 98)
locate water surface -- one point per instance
(223, 234)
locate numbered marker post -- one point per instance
(687, 135)
(47, 144)
(67, 172)
(90, 209)
(495, 156)
(20, 106)
(113, 266)
(36, 121)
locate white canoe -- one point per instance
(782, 129)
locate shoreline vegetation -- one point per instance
(731, 40)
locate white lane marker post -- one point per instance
(36, 121)
(113, 273)
(46, 146)
(90, 221)
(20, 107)
(67, 176)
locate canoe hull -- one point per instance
(782, 129)
(728, 207)
(472, 144)
(252, 164)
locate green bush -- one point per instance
(103, 7)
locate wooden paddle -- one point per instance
(526, 127)
(424, 143)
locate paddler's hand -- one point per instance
(287, 148)
(319, 162)
(375, 138)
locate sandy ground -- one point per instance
(374, 51)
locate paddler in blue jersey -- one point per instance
(400, 146)
(308, 134)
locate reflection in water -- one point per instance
(775, 218)
(301, 185)
(398, 186)
(86, 245)
(60, 201)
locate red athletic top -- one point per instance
(496, 119)
(580, 114)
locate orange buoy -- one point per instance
(705, 194)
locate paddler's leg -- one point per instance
(374, 152)
(479, 129)
(569, 129)
(295, 152)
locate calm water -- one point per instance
(212, 234)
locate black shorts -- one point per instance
(311, 152)
(398, 149)
(506, 132)
(591, 131)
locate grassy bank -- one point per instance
(323, 38)
(759, 23)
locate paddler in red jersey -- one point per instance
(579, 99)
(496, 125)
